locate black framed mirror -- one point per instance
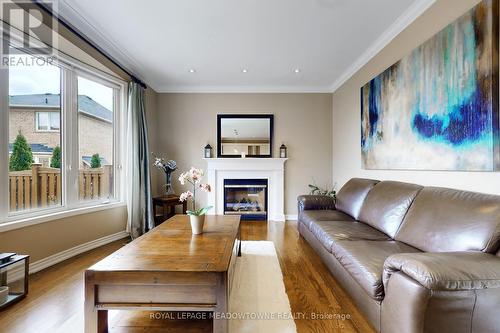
(250, 135)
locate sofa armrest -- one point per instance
(446, 271)
(315, 202)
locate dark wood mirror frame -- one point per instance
(245, 116)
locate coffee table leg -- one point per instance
(220, 325)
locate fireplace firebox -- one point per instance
(246, 197)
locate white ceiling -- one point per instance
(161, 40)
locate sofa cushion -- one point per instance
(445, 220)
(352, 195)
(364, 260)
(307, 216)
(386, 205)
(327, 232)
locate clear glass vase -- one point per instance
(169, 189)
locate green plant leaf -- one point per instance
(204, 210)
(316, 190)
(200, 211)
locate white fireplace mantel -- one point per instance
(272, 169)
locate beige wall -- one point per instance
(45, 239)
(346, 109)
(186, 122)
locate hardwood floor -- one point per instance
(55, 300)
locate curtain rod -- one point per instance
(80, 35)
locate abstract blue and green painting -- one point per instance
(437, 108)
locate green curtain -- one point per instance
(138, 180)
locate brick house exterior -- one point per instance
(95, 125)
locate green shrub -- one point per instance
(55, 161)
(95, 162)
(22, 156)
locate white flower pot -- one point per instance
(197, 223)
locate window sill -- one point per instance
(47, 217)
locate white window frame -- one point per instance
(70, 203)
(4, 138)
(118, 103)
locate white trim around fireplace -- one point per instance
(272, 169)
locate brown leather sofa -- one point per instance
(413, 258)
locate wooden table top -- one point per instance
(171, 247)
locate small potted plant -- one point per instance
(196, 216)
(316, 190)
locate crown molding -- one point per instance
(403, 21)
(89, 28)
(243, 89)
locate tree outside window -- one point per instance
(22, 156)
(55, 161)
(95, 162)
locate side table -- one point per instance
(14, 274)
(168, 203)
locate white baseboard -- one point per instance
(291, 217)
(66, 254)
(277, 218)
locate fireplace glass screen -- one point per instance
(246, 197)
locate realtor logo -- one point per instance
(27, 28)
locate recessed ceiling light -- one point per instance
(244, 70)
(296, 70)
(192, 70)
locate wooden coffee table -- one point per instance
(167, 269)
